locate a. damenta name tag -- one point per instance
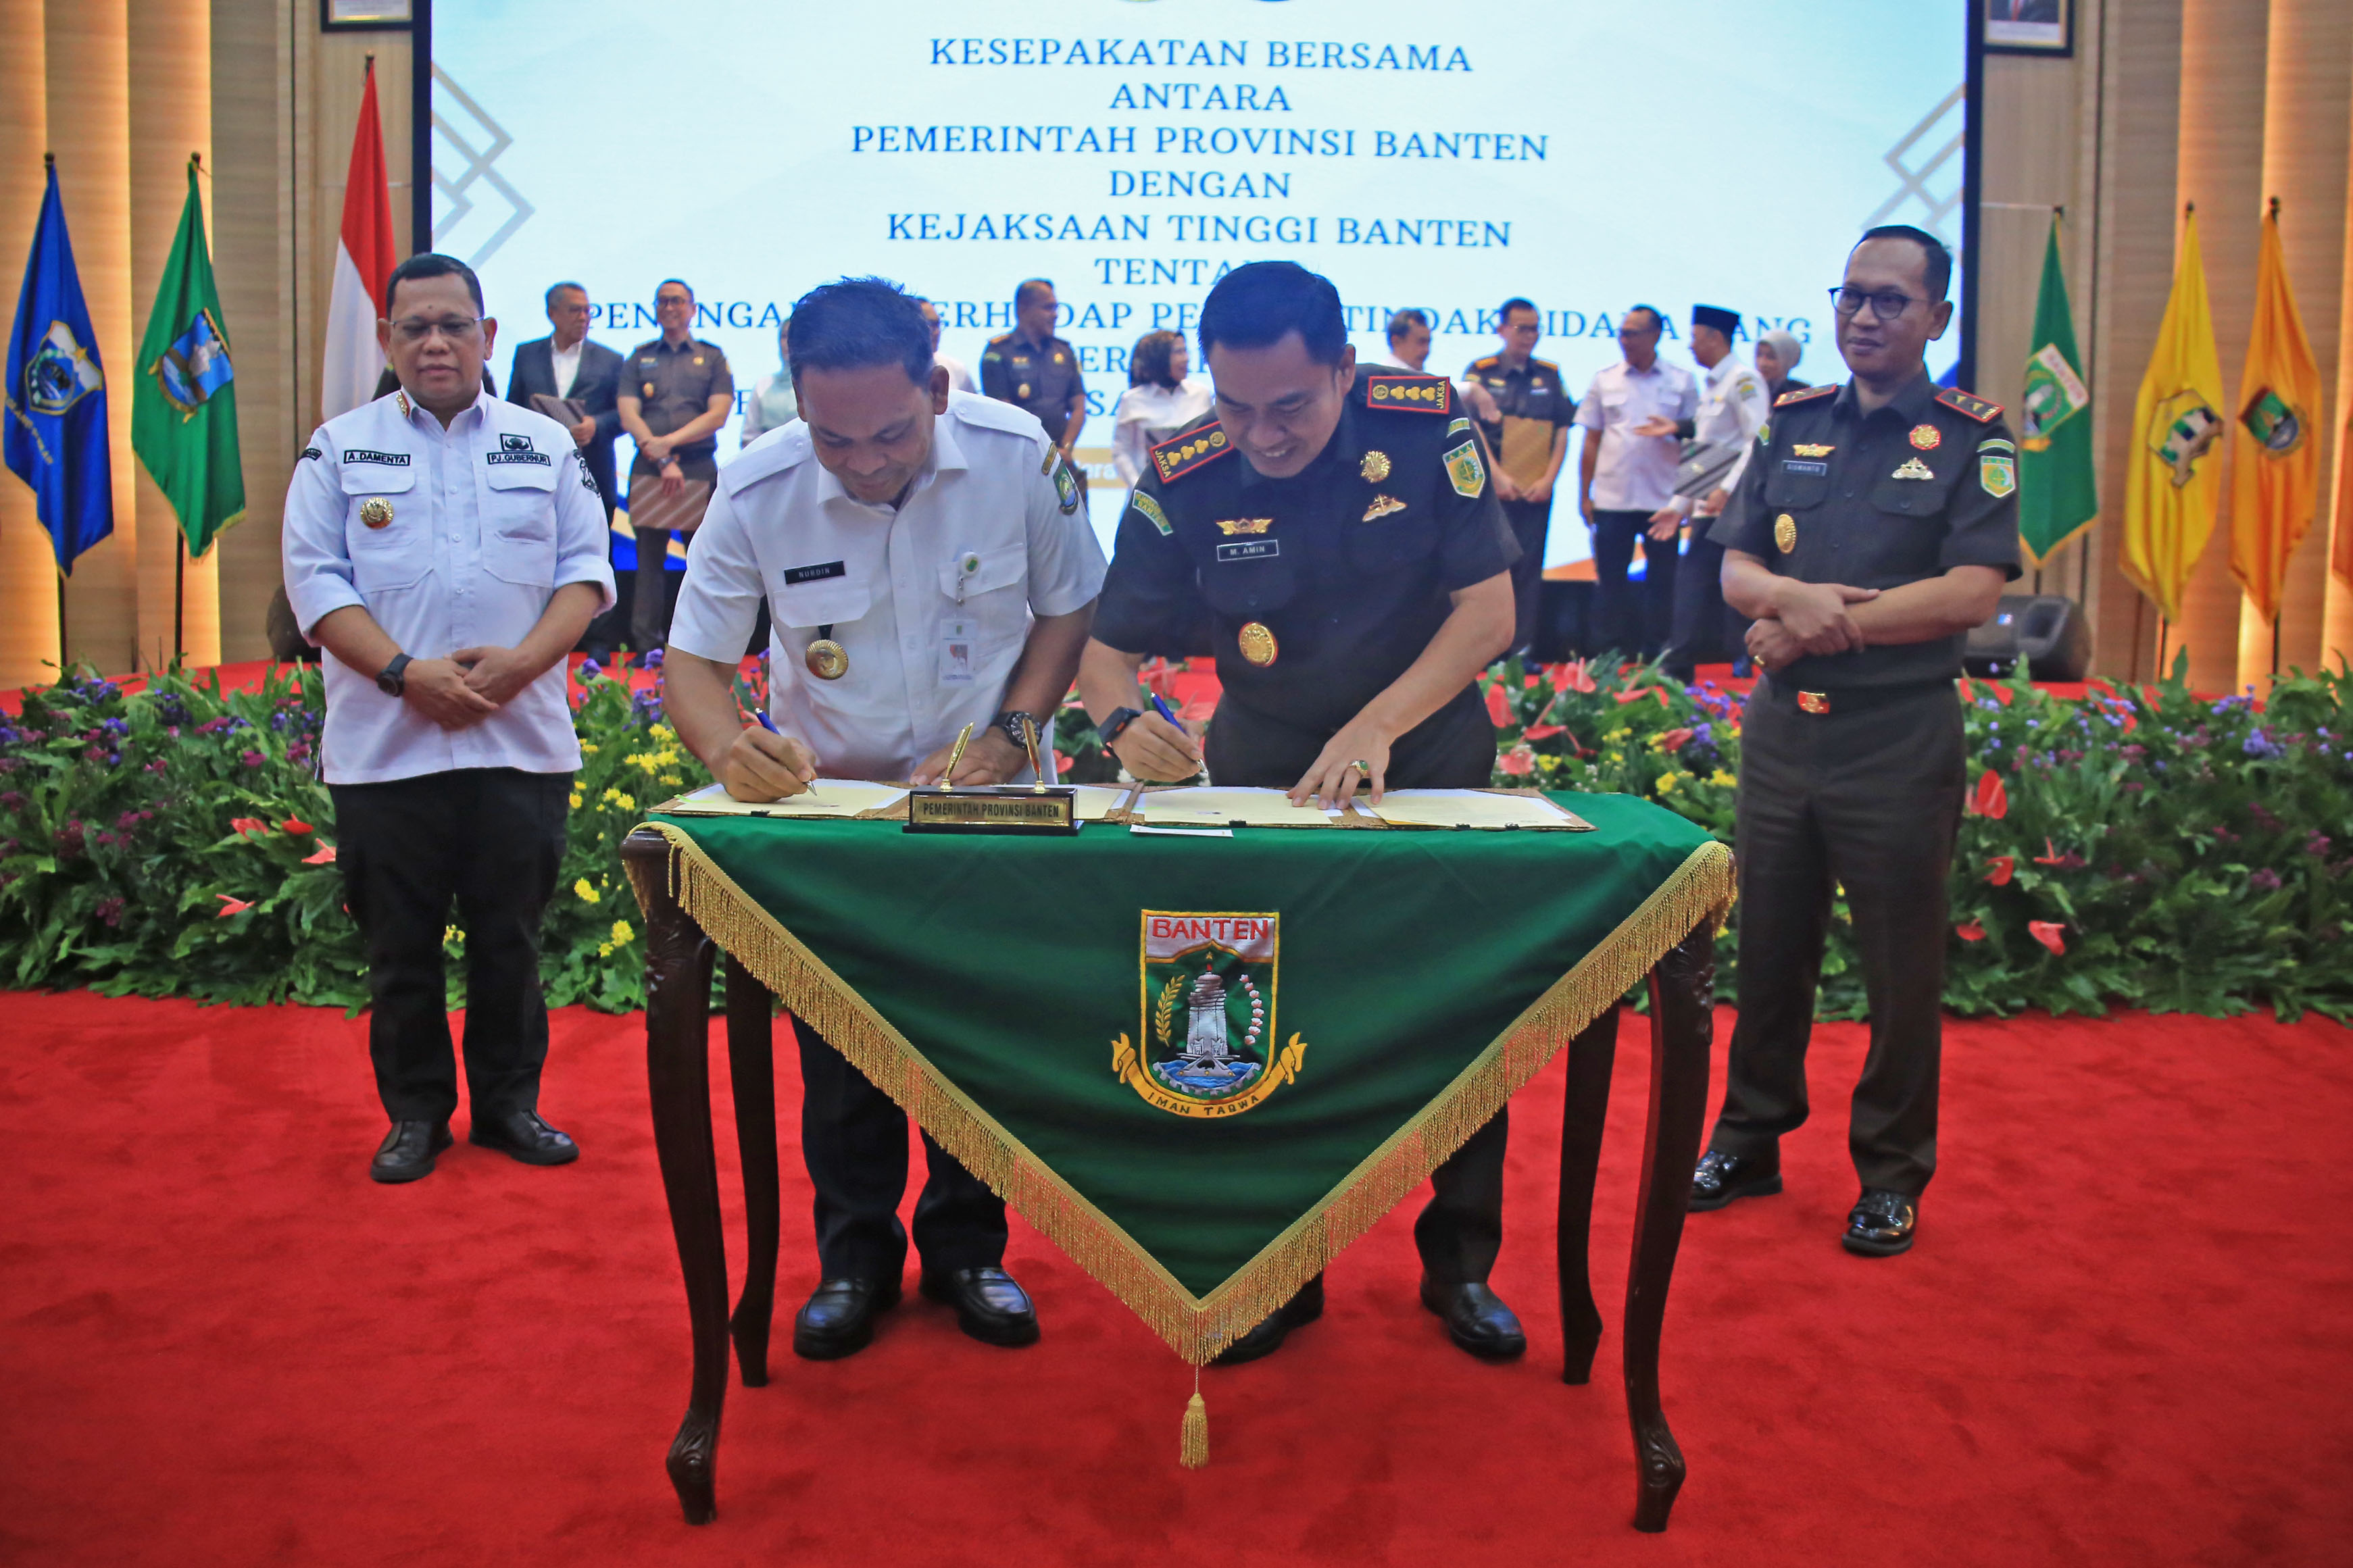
(994, 808)
(1249, 549)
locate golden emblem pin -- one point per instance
(1811, 450)
(827, 660)
(1913, 468)
(376, 511)
(1382, 506)
(1023, 390)
(1785, 533)
(1374, 467)
(1258, 644)
(1926, 436)
(1233, 525)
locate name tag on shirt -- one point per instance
(1790, 464)
(1249, 549)
(955, 653)
(796, 575)
(389, 460)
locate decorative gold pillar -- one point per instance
(171, 117)
(87, 70)
(2223, 45)
(28, 575)
(2306, 136)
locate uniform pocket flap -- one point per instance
(970, 572)
(517, 471)
(375, 474)
(835, 601)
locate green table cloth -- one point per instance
(1200, 1065)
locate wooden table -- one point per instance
(679, 959)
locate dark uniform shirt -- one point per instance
(1533, 391)
(1042, 380)
(1924, 483)
(1345, 570)
(674, 385)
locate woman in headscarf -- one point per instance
(1778, 352)
(1160, 400)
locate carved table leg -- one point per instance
(1585, 1106)
(677, 1074)
(752, 1066)
(1683, 1020)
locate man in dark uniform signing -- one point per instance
(1874, 527)
(1356, 570)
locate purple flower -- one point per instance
(251, 758)
(111, 912)
(13, 800)
(2316, 845)
(70, 839)
(589, 670)
(2258, 744)
(157, 767)
(2264, 878)
(130, 819)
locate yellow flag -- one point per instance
(2275, 473)
(2173, 478)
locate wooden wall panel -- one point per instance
(28, 573)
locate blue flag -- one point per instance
(55, 439)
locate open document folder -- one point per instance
(826, 798)
(1210, 806)
(1473, 808)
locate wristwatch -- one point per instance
(1112, 728)
(392, 679)
(1011, 725)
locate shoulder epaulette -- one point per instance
(1417, 394)
(1191, 449)
(1489, 363)
(1801, 395)
(1000, 338)
(1984, 410)
(1545, 362)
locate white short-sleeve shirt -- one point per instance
(1732, 408)
(932, 600)
(1636, 473)
(474, 529)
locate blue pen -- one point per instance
(761, 713)
(1167, 712)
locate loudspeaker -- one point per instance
(2046, 629)
(1563, 610)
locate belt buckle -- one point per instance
(1813, 701)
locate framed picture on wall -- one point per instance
(366, 15)
(2030, 26)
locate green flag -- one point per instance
(184, 402)
(2058, 494)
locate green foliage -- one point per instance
(2145, 845)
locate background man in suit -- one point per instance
(567, 365)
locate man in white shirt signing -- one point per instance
(1627, 485)
(928, 564)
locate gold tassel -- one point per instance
(1193, 1448)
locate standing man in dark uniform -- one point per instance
(1524, 417)
(1031, 368)
(675, 392)
(1875, 526)
(1357, 571)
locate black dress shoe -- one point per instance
(1475, 1319)
(839, 1319)
(989, 1306)
(524, 1135)
(1274, 1327)
(1881, 1223)
(408, 1150)
(1723, 1177)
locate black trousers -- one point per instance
(1460, 1230)
(854, 1141)
(490, 841)
(657, 590)
(1530, 521)
(1629, 619)
(1867, 798)
(1707, 629)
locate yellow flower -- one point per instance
(1722, 778)
(585, 892)
(622, 934)
(1667, 782)
(615, 798)
(1615, 756)
(588, 747)
(672, 780)
(604, 950)
(646, 762)
(576, 800)
(664, 732)
(450, 933)
(1619, 734)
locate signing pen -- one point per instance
(1166, 712)
(761, 713)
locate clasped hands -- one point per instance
(461, 691)
(1809, 618)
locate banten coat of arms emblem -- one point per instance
(1207, 1022)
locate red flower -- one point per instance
(294, 825)
(1969, 694)
(232, 906)
(1991, 799)
(1062, 765)
(1575, 677)
(2047, 933)
(1674, 739)
(1519, 762)
(1632, 694)
(1545, 732)
(1499, 708)
(2050, 856)
(325, 856)
(2003, 865)
(251, 826)
(1969, 930)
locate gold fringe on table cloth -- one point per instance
(1197, 1328)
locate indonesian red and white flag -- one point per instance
(363, 260)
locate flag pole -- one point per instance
(180, 600)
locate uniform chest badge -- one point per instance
(649, 389)
(1374, 467)
(1233, 525)
(1811, 449)
(1464, 471)
(1925, 437)
(1382, 506)
(827, 660)
(376, 512)
(1785, 533)
(1206, 1043)
(1999, 475)
(1913, 468)
(1058, 356)
(1023, 390)
(1257, 643)
(698, 359)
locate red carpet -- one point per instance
(2125, 1337)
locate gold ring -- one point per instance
(1364, 768)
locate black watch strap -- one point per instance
(392, 679)
(1112, 728)
(1011, 720)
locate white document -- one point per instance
(1096, 802)
(1173, 832)
(1222, 805)
(826, 798)
(1469, 809)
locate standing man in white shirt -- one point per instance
(1732, 403)
(447, 549)
(1409, 333)
(1626, 485)
(928, 564)
(959, 378)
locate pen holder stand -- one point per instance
(994, 808)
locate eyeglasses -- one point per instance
(1885, 303)
(416, 330)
